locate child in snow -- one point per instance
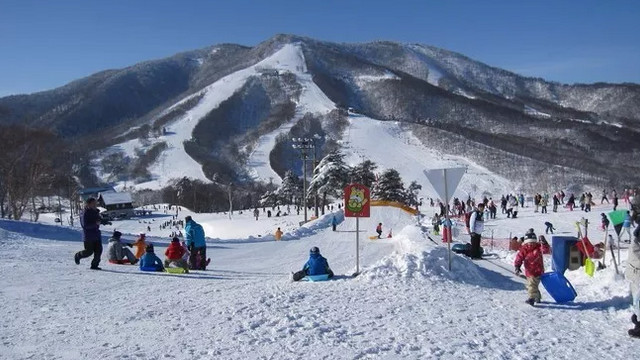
(174, 254)
(140, 245)
(632, 273)
(118, 252)
(530, 254)
(379, 230)
(278, 234)
(605, 222)
(549, 228)
(149, 261)
(316, 265)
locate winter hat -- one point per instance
(530, 234)
(314, 250)
(117, 234)
(142, 235)
(175, 239)
(187, 219)
(149, 248)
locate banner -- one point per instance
(357, 201)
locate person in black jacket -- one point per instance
(90, 221)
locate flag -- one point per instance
(617, 218)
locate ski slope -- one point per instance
(405, 304)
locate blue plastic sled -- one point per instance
(558, 287)
(150, 268)
(314, 278)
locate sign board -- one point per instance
(357, 201)
(445, 181)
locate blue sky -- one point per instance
(45, 44)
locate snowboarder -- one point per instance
(174, 255)
(196, 244)
(632, 273)
(278, 234)
(379, 230)
(316, 265)
(334, 223)
(476, 227)
(149, 261)
(549, 228)
(118, 252)
(90, 222)
(140, 245)
(530, 254)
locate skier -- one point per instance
(632, 273)
(278, 234)
(316, 265)
(174, 255)
(149, 261)
(549, 228)
(196, 244)
(379, 230)
(90, 222)
(118, 252)
(140, 245)
(530, 254)
(476, 226)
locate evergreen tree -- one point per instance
(329, 177)
(412, 197)
(364, 173)
(290, 189)
(389, 187)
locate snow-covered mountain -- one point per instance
(226, 112)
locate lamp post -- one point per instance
(304, 145)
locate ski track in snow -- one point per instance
(404, 305)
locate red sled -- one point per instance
(120, 262)
(588, 250)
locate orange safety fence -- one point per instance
(395, 204)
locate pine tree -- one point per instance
(364, 173)
(329, 177)
(389, 187)
(290, 189)
(412, 196)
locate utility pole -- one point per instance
(304, 145)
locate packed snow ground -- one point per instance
(404, 305)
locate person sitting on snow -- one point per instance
(174, 254)
(140, 245)
(149, 261)
(530, 254)
(118, 252)
(316, 265)
(632, 273)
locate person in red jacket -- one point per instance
(173, 255)
(530, 254)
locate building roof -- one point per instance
(112, 198)
(95, 190)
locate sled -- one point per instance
(558, 287)
(150, 269)
(120, 262)
(464, 249)
(316, 278)
(373, 237)
(175, 270)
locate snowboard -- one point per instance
(172, 270)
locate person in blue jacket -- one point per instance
(334, 223)
(150, 261)
(316, 265)
(196, 244)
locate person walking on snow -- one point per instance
(632, 273)
(626, 226)
(530, 254)
(476, 227)
(90, 222)
(316, 265)
(196, 244)
(605, 222)
(334, 223)
(118, 252)
(174, 254)
(604, 197)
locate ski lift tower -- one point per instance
(304, 145)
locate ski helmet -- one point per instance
(149, 248)
(314, 250)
